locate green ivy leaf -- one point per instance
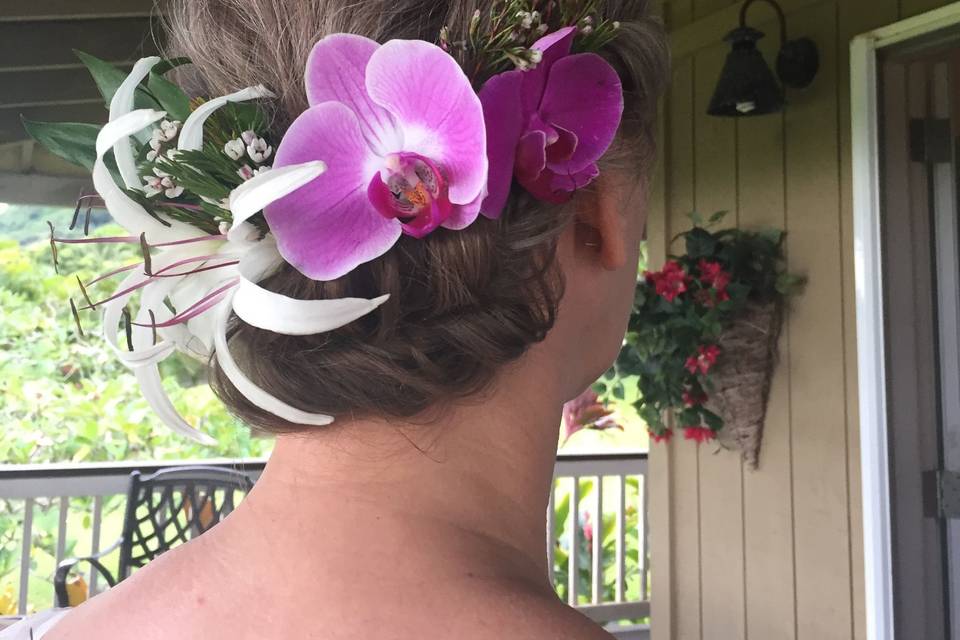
(73, 141)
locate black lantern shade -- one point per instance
(747, 86)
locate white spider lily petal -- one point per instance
(151, 386)
(123, 209)
(265, 187)
(148, 376)
(282, 314)
(244, 385)
(110, 319)
(122, 104)
(191, 133)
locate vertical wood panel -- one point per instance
(721, 490)
(768, 499)
(685, 554)
(822, 549)
(703, 8)
(910, 8)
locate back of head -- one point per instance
(462, 303)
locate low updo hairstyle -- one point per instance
(462, 303)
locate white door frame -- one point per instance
(874, 457)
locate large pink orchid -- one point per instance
(548, 126)
(402, 133)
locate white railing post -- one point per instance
(26, 546)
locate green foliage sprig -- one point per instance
(678, 315)
(501, 39)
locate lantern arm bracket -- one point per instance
(780, 16)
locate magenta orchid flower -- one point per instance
(548, 126)
(403, 135)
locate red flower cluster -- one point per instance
(660, 437)
(706, 357)
(713, 275)
(699, 434)
(670, 281)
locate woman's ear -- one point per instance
(600, 224)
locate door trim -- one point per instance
(871, 357)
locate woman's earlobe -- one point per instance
(600, 225)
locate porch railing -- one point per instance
(596, 525)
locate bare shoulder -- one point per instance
(547, 618)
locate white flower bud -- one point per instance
(234, 149)
(245, 172)
(168, 130)
(151, 155)
(223, 227)
(616, 24)
(587, 30)
(248, 136)
(259, 150)
(173, 192)
(535, 56)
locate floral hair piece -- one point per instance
(396, 141)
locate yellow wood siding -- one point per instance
(775, 553)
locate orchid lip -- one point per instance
(413, 190)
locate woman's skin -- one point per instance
(377, 530)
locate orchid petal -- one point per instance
(191, 133)
(282, 314)
(584, 97)
(255, 194)
(463, 215)
(335, 72)
(437, 109)
(328, 227)
(531, 155)
(120, 105)
(554, 47)
(124, 210)
(248, 388)
(500, 97)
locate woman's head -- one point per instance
(462, 304)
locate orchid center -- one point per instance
(411, 188)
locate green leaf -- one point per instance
(172, 99)
(717, 217)
(109, 78)
(166, 65)
(73, 141)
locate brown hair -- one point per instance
(462, 303)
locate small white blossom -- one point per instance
(587, 30)
(223, 227)
(245, 172)
(173, 192)
(616, 24)
(588, 20)
(535, 56)
(259, 150)
(535, 16)
(234, 149)
(527, 21)
(257, 172)
(153, 186)
(151, 155)
(156, 140)
(168, 130)
(248, 136)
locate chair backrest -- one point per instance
(172, 506)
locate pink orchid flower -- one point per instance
(402, 133)
(548, 126)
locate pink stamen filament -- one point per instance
(136, 240)
(198, 270)
(110, 274)
(203, 304)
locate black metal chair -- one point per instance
(163, 510)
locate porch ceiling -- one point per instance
(40, 75)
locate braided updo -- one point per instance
(462, 303)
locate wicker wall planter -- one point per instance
(742, 378)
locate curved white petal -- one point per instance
(244, 385)
(120, 105)
(191, 133)
(127, 213)
(148, 376)
(110, 319)
(124, 126)
(259, 191)
(151, 385)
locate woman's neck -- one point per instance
(470, 488)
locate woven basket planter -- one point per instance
(741, 378)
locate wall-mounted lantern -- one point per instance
(747, 86)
